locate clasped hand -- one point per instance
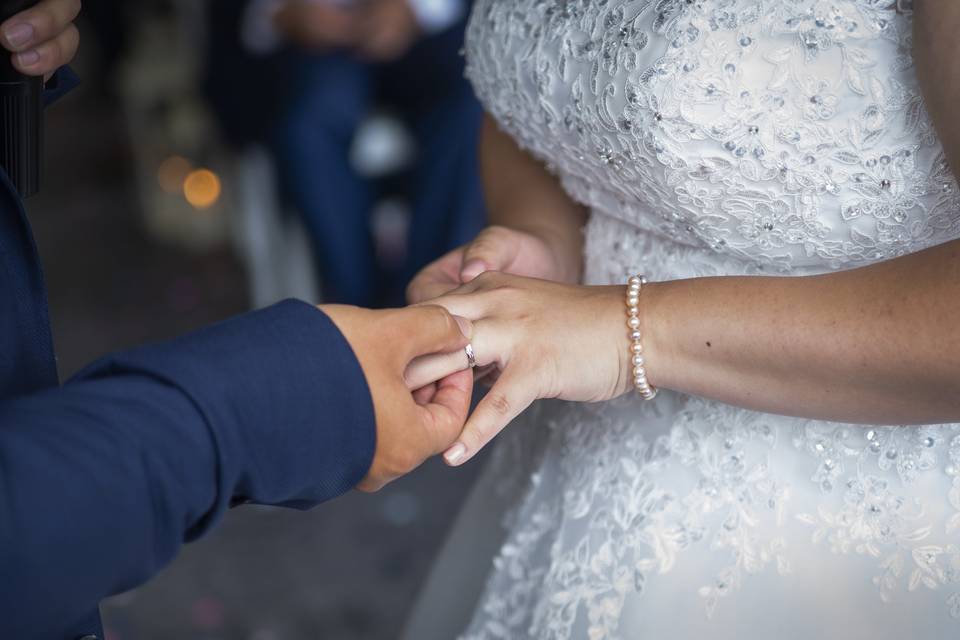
(538, 339)
(534, 338)
(534, 333)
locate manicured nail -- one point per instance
(18, 35)
(466, 327)
(28, 58)
(456, 453)
(472, 269)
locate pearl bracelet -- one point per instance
(646, 391)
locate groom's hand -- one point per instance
(411, 427)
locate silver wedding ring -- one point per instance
(471, 356)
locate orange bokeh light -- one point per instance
(202, 188)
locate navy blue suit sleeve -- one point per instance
(102, 480)
(60, 84)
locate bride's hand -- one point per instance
(497, 248)
(547, 340)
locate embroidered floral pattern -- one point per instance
(714, 137)
(786, 133)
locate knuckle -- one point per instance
(473, 438)
(489, 279)
(404, 462)
(479, 248)
(45, 22)
(440, 318)
(500, 403)
(488, 241)
(497, 231)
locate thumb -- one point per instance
(494, 249)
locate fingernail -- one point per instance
(466, 327)
(455, 454)
(472, 269)
(28, 58)
(18, 35)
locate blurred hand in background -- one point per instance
(389, 29)
(379, 30)
(44, 37)
(318, 26)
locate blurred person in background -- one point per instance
(104, 478)
(302, 76)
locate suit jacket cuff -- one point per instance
(62, 82)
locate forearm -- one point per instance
(879, 344)
(523, 195)
(875, 345)
(269, 407)
(85, 486)
(936, 52)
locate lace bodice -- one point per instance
(713, 137)
(788, 135)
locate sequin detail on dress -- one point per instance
(721, 137)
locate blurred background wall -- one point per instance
(152, 223)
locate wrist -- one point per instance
(610, 310)
(655, 334)
(651, 349)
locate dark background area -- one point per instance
(349, 569)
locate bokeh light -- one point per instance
(202, 188)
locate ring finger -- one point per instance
(489, 348)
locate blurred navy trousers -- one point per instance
(314, 132)
(307, 107)
(104, 478)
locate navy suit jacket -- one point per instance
(103, 479)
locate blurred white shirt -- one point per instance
(261, 37)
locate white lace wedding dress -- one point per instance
(713, 137)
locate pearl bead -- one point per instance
(640, 382)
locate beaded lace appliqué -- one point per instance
(716, 137)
